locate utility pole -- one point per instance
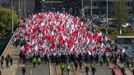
(107, 5)
(12, 16)
(91, 9)
(82, 10)
(25, 8)
(19, 8)
(91, 13)
(81, 4)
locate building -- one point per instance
(72, 6)
(126, 43)
(20, 6)
(99, 6)
(48, 5)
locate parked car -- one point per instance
(105, 24)
(131, 17)
(94, 17)
(126, 25)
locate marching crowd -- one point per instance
(63, 39)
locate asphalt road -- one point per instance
(42, 69)
(100, 70)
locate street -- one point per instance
(42, 69)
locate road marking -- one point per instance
(31, 72)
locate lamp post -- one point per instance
(19, 6)
(12, 16)
(81, 4)
(91, 13)
(107, 5)
(91, 9)
(25, 8)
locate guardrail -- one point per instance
(6, 48)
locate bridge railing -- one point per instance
(5, 52)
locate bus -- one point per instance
(126, 43)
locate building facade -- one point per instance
(99, 6)
(20, 6)
(29, 6)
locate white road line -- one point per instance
(31, 72)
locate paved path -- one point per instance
(104, 70)
(42, 69)
(16, 70)
(128, 72)
(116, 69)
(13, 52)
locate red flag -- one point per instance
(26, 46)
(52, 37)
(62, 27)
(70, 41)
(75, 33)
(34, 35)
(95, 35)
(52, 45)
(89, 34)
(61, 40)
(49, 38)
(100, 38)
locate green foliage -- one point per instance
(6, 20)
(127, 32)
(121, 12)
(113, 32)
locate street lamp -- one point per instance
(91, 10)
(12, 16)
(107, 15)
(91, 13)
(81, 4)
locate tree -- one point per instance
(120, 11)
(38, 5)
(6, 20)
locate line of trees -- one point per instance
(120, 12)
(6, 20)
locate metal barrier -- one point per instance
(6, 48)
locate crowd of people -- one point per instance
(58, 33)
(8, 60)
(60, 37)
(63, 39)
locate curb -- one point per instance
(125, 70)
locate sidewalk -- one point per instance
(115, 68)
(13, 52)
(128, 72)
